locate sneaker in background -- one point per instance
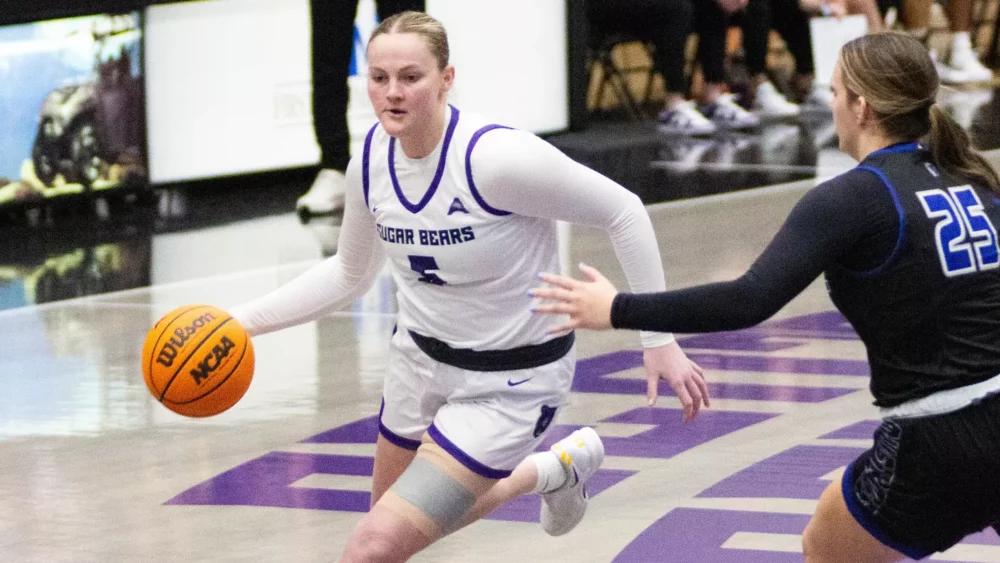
(768, 102)
(684, 119)
(727, 114)
(325, 196)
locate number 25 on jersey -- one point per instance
(966, 239)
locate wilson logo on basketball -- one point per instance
(212, 360)
(181, 335)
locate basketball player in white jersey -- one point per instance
(465, 212)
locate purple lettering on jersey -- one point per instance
(394, 234)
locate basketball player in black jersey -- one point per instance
(908, 243)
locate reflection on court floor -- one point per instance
(94, 469)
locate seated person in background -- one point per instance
(792, 23)
(790, 18)
(927, 312)
(666, 24)
(962, 65)
(711, 21)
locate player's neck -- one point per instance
(868, 144)
(424, 139)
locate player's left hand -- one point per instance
(685, 377)
(588, 303)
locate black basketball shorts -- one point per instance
(929, 481)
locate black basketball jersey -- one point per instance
(929, 316)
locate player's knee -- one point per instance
(369, 542)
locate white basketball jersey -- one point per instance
(462, 267)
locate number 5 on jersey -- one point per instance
(425, 266)
(966, 239)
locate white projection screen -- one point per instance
(229, 88)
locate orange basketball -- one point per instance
(197, 360)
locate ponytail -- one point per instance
(952, 151)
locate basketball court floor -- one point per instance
(93, 469)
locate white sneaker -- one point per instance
(726, 113)
(581, 453)
(967, 62)
(325, 196)
(768, 102)
(684, 119)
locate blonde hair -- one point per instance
(421, 24)
(896, 76)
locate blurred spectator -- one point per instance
(790, 18)
(667, 25)
(962, 64)
(332, 27)
(792, 23)
(718, 108)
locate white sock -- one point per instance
(551, 472)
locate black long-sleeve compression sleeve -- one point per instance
(850, 219)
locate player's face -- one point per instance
(405, 85)
(844, 118)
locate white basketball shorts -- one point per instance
(487, 420)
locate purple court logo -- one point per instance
(710, 534)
